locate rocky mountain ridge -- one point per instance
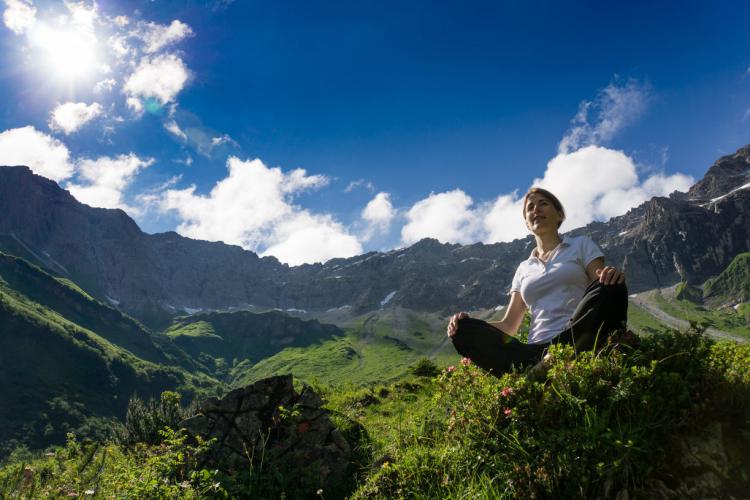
(686, 237)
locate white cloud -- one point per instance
(360, 183)
(105, 179)
(252, 207)
(378, 215)
(308, 238)
(19, 15)
(157, 36)
(83, 15)
(223, 139)
(615, 107)
(135, 105)
(175, 130)
(448, 217)
(71, 116)
(45, 155)
(105, 85)
(161, 78)
(503, 220)
(121, 21)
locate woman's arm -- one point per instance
(511, 322)
(606, 275)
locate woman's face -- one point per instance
(541, 215)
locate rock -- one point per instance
(267, 424)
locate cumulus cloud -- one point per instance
(71, 116)
(45, 155)
(378, 215)
(253, 207)
(596, 183)
(503, 219)
(19, 15)
(161, 78)
(615, 107)
(103, 181)
(157, 36)
(447, 217)
(592, 181)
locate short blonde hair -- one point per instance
(549, 197)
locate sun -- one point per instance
(69, 54)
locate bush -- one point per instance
(145, 421)
(600, 424)
(424, 367)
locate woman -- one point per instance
(572, 296)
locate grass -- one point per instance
(725, 319)
(600, 425)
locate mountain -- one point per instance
(686, 237)
(67, 361)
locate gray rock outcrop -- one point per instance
(268, 425)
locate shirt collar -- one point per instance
(563, 243)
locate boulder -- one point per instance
(267, 426)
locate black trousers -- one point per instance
(602, 311)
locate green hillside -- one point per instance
(221, 340)
(377, 346)
(68, 361)
(733, 284)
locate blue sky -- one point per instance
(310, 130)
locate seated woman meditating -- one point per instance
(573, 298)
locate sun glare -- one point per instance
(70, 54)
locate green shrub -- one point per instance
(598, 425)
(424, 367)
(145, 421)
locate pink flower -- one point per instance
(450, 369)
(507, 391)
(465, 361)
(508, 412)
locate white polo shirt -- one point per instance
(553, 290)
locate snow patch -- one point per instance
(190, 310)
(109, 299)
(714, 200)
(296, 310)
(339, 308)
(500, 307)
(622, 233)
(683, 235)
(387, 298)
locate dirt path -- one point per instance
(645, 301)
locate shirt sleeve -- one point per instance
(589, 251)
(515, 285)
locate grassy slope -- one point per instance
(55, 373)
(733, 284)
(725, 319)
(377, 346)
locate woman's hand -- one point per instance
(610, 276)
(453, 322)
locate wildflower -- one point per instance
(450, 369)
(507, 391)
(319, 492)
(303, 427)
(89, 492)
(507, 412)
(465, 361)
